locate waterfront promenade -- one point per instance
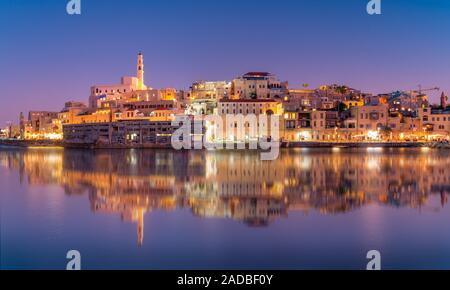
(301, 144)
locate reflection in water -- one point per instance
(238, 185)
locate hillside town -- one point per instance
(131, 113)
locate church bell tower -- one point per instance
(140, 71)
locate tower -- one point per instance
(22, 125)
(444, 100)
(140, 71)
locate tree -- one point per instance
(342, 107)
(341, 89)
(385, 131)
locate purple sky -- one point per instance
(49, 57)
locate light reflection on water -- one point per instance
(310, 207)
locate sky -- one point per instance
(48, 57)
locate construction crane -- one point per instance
(425, 90)
(412, 92)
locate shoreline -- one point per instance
(302, 144)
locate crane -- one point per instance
(426, 90)
(412, 92)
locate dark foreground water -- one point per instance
(146, 209)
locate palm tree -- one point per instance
(341, 89)
(385, 131)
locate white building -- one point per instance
(435, 122)
(210, 90)
(258, 85)
(204, 95)
(127, 85)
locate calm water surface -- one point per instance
(147, 209)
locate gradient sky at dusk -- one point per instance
(49, 57)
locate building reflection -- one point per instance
(237, 185)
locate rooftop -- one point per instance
(248, 101)
(258, 74)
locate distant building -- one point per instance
(370, 117)
(204, 95)
(300, 99)
(70, 110)
(41, 121)
(126, 85)
(210, 90)
(435, 122)
(245, 107)
(310, 125)
(258, 85)
(365, 122)
(126, 133)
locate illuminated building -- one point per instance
(248, 111)
(168, 94)
(435, 123)
(354, 103)
(365, 122)
(126, 86)
(204, 95)
(40, 125)
(249, 106)
(70, 110)
(134, 132)
(258, 85)
(208, 90)
(311, 125)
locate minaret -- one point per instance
(22, 125)
(140, 71)
(444, 100)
